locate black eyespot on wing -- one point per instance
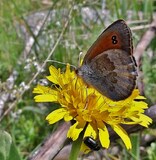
(114, 40)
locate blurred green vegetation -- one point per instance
(26, 122)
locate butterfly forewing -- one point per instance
(116, 36)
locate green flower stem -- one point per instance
(76, 148)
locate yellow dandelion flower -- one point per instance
(89, 109)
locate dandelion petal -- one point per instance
(74, 132)
(123, 135)
(45, 98)
(104, 137)
(56, 115)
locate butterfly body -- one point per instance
(109, 65)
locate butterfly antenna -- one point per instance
(61, 63)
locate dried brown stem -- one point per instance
(142, 46)
(145, 41)
(52, 144)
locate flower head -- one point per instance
(89, 109)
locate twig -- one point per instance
(145, 41)
(32, 38)
(141, 27)
(141, 47)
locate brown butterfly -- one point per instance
(109, 65)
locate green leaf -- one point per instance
(135, 152)
(8, 150)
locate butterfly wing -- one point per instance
(116, 36)
(116, 74)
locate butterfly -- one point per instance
(109, 65)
